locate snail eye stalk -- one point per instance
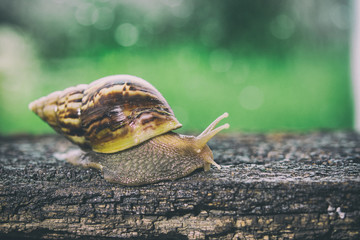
(210, 132)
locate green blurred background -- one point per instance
(274, 65)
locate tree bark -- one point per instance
(271, 186)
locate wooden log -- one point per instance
(271, 186)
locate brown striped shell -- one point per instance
(108, 115)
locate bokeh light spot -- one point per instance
(86, 14)
(126, 34)
(251, 98)
(282, 27)
(339, 16)
(220, 60)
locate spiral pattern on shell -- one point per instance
(108, 115)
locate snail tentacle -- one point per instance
(210, 132)
(213, 124)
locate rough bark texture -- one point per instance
(274, 186)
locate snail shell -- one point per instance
(126, 124)
(108, 115)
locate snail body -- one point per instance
(125, 125)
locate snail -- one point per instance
(124, 127)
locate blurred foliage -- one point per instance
(273, 65)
